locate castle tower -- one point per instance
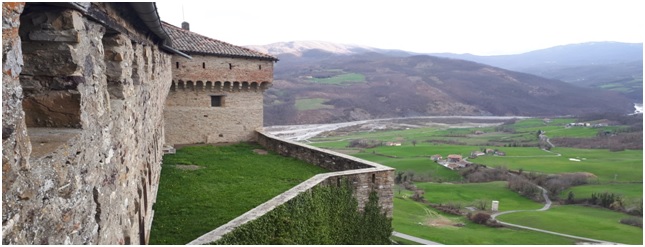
(217, 96)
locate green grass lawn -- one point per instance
(629, 191)
(596, 223)
(340, 79)
(231, 181)
(466, 194)
(311, 104)
(418, 220)
(624, 166)
(425, 150)
(422, 166)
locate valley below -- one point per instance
(554, 136)
(316, 85)
(505, 159)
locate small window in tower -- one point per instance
(177, 65)
(203, 65)
(230, 66)
(217, 100)
(260, 67)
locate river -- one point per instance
(638, 108)
(304, 132)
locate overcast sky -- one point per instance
(482, 27)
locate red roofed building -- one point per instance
(217, 94)
(454, 158)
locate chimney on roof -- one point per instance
(185, 25)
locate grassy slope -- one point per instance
(466, 194)
(411, 218)
(625, 166)
(311, 104)
(340, 79)
(602, 224)
(629, 191)
(233, 180)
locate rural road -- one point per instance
(547, 205)
(415, 239)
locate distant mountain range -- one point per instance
(321, 82)
(300, 48)
(607, 65)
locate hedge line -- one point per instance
(324, 215)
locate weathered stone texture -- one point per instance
(365, 176)
(99, 184)
(213, 68)
(190, 118)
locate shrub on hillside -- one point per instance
(479, 218)
(556, 183)
(632, 221)
(361, 143)
(524, 187)
(607, 200)
(477, 173)
(635, 207)
(481, 204)
(453, 208)
(327, 215)
(615, 143)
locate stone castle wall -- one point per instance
(239, 82)
(82, 126)
(365, 177)
(190, 118)
(214, 68)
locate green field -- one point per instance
(345, 78)
(618, 172)
(630, 191)
(467, 194)
(623, 166)
(415, 219)
(224, 183)
(625, 86)
(421, 166)
(596, 223)
(312, 104)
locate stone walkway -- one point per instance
(414, 239)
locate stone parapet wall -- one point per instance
(364, 176)
(191, 119)
(98, 184)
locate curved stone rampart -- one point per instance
(365, 177)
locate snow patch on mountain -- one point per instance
(298, 47)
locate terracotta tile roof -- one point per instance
(190, 42)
